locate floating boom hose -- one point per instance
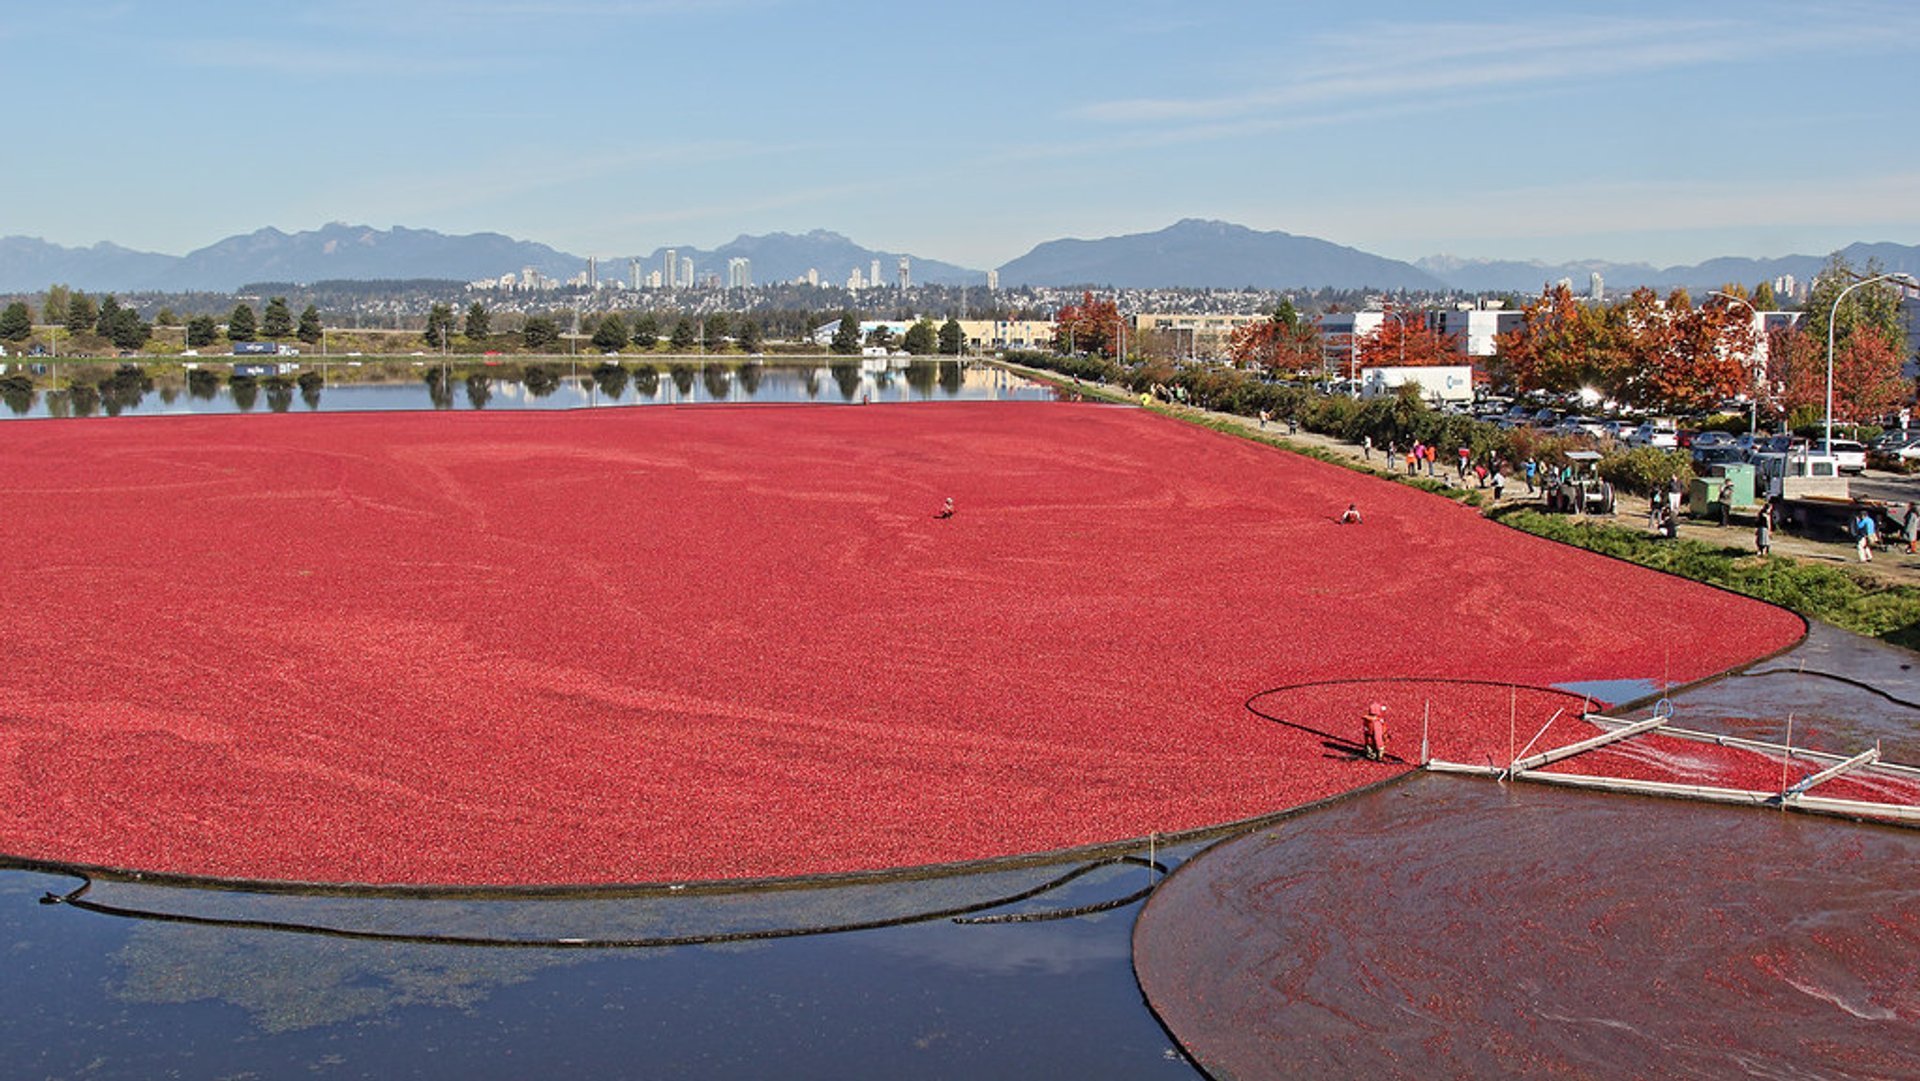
(964, 914)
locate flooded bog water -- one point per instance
(1456, 927)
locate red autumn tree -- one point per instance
(1091, 326)
(1405, 340)
(1561, 345)
(1679, 358)
(1867, 382)
(1284, 343)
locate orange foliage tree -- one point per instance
(1680, 358)
(1867, 381)
(1091, 326)
(1405, 340)
(1284, 343)
(1561, 345)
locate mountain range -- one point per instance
(1191, 253)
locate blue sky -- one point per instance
(1628, 131)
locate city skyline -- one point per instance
(1623, 132)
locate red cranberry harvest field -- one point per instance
(642, 645)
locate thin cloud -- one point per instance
(1408, 63)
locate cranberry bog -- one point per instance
(669, 645)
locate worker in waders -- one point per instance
(1373, 732)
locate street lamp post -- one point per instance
(1753, 399)
(1906, 279)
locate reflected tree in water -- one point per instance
(541, 381)
(750, 374)
(952, 377)
(169, 393)
(612, 380)
(439, 388)
(646, 381)
(279, 393)
(311, 384)
(847, 376)
(810, 382)
(203, 384)
(921, 376)
(124, 389)
(83, 399)
(715, 378)
(246, 392)
(17, 391)
(683, 381)
(479, 390)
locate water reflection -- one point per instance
(611, 379)
(541, 386)
(245, 390)
(279, 393)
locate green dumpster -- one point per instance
(1739, 486)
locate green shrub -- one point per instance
(1855, 602)
(1646, 469)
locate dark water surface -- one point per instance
(99, 997)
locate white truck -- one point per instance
(1448, 384)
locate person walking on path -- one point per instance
(1499, 482)
(1910, 528)
(1863, 530)
(1532, 470)
(1366, 448)
(1763, 532)
(1264, 415)
(1466, 455)
(1413, 459)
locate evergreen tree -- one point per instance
(846, 337)
(920, 338)
(103, 321)
(646, 331)
(16, 323)
(310, 330)
(540, 332)
(953, 337)
(166, 318)
(439, 326)
(81, 313)
(202, 330)
(241, 324)
(716, 332)
(128, 330)
(684, 336)
(276, 323)
(478, 322)
(610, 336)
(750, 337)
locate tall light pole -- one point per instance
(1906, 279)
(1753, 426)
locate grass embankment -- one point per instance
(1834, 595)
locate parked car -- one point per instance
(1704, 458)
(1658, 433)
(1712, 439)
(1850, 456)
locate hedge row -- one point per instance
(1832, 594)
(1398, 421)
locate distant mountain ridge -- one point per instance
(1494, 276)
(1211, 254)
(1192, 253)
